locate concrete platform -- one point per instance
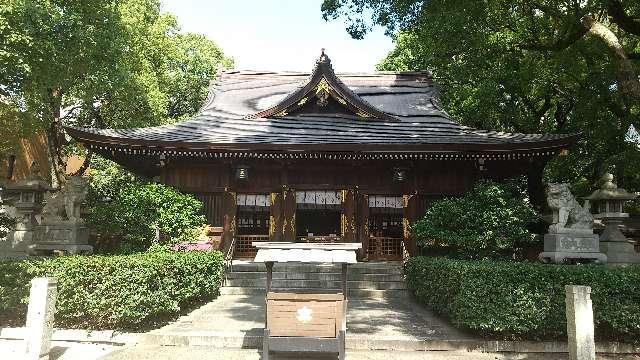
(205, 353)
(237, 321)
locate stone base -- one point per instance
(561, 247)
(62, 233)
(559, 257)
(48, 249)
(620, 252)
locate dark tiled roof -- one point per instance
(409, 97)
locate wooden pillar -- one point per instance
(229, 213)
(535, 187)
(409, 216)
(362, 223)
(348, 217)
(289, 215)
(275, 217)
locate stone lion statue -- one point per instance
(65, 205)
(75, 194)
(53, 209)
(568, 214)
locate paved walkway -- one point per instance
(206, 353)
(239, 321)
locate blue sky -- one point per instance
(278, 34)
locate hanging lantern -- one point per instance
(242, 173)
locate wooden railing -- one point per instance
(243, 245)
(385, 248)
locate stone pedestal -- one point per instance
(580, 323)
(62, 236)
(620, 252)
(614, 244)
(579, 245)
(40, 315)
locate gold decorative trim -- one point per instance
(406, 228)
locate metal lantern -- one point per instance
(607, 203)
(242, 173)
(399, 175)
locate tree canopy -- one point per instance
(524, 66)
(100, 64)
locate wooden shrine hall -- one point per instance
(322, 157)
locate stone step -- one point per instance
(469, 349)
(359, 268)
(217, 352)
(314, 276)
(322, 284)
(353, 293)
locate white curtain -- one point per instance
(253, 200)
(321, 197)
(381, 201)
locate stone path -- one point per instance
(208, 353)
(60, 350)
(238, 321)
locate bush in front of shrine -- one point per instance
(524, 300)
(491, 220)
(123, 292)
(130, 208)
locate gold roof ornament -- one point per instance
(324, 86)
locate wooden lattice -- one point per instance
(384, 248)
(244, 247)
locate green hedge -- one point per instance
(489, 221)
(113, 292)
(519, 300)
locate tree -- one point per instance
(524, 66)
(100, 64)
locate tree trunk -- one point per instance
(628, 82)
(53, 135)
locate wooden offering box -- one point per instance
(316, 315)
(305, 322)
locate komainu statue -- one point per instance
(65, 205)
(568, 214)
(570, 234)
(62, 228)
(75, 194)
(53, 209)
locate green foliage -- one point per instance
(491, 220)
(511, 300)
(6, 223)
(521, 66)
(99, 64)
(124, 206)
(116, 292)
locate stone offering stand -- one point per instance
(305, 322)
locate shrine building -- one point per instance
(322, 157)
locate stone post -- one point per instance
(580, 323)
(42, 304)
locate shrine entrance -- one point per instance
(386, 228)
(318, 216)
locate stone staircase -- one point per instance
(372, 280)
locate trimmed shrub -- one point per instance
(121, 205)
(489, 221)
(519, 300)
(113, 292)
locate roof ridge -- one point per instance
(323, 84)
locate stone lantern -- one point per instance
(607, 203)
(26, 197)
